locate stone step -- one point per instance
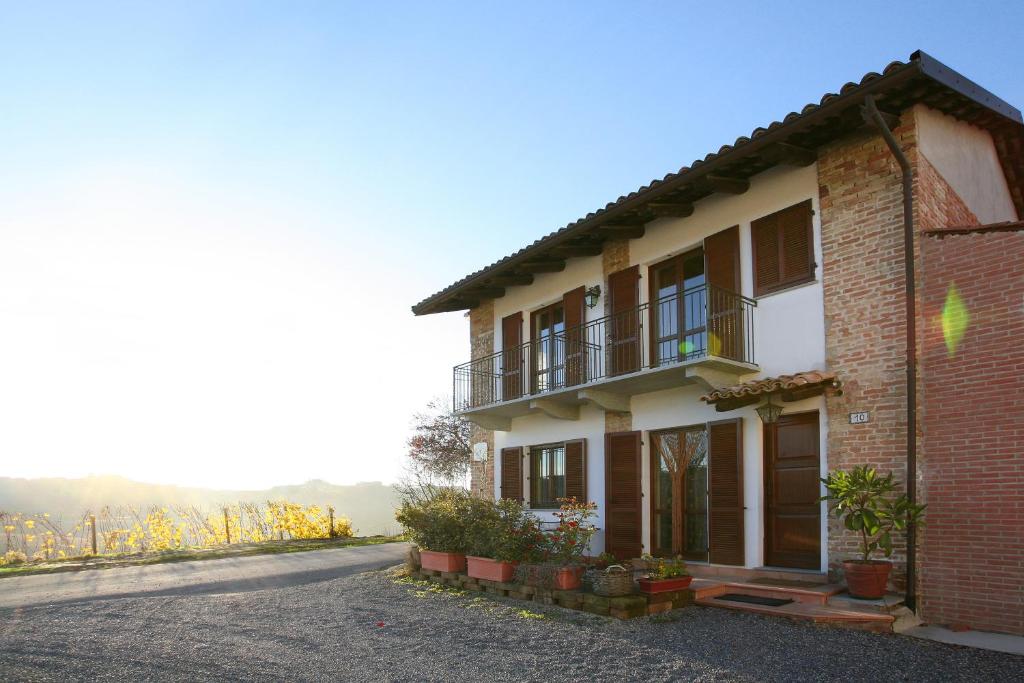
(811, 594)
(757, 575)
(867, 620)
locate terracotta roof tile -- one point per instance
(769, 385)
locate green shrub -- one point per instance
(504, 531)
(439, 521)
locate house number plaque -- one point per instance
(860, 418)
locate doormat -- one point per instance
(754, 599)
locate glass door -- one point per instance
(549, 348)
(678, 308)
(679, 509)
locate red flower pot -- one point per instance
(491, 570)
(677, 583)
(442, 562)
(569, 578)
(867, 579)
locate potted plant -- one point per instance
(569, 541)
(664, 574)
(500, 535)
(867, 503)
(437, 524)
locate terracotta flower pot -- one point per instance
(867, 579)
(490, 570)
(677, 583)
(569, 578)
(442, 562)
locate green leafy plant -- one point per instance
(665, 567)
(868, 504)
(604, 560)
(504, 531)
(571, 538)
(438, 520)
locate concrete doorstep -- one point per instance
(983, 640)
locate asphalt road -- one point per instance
(227, 575)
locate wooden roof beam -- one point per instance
(670, 209)
(548, 266)
(570, 250)
(511, 279)
(789, 155)
(621, 231)
(486, 292)
(726, 184)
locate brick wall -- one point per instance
(862, 275)
(481, 335)
(972, 547)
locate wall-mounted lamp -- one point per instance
(769, 412)
(592, 295)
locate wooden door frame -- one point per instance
(767, 432)
(639, 483)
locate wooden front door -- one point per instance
(793, 514)
(622, 516)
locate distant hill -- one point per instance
(370, 505)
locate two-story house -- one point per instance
(696, 355)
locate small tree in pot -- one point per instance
(867, 503)
(569, 541)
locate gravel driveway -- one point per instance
(367, 627)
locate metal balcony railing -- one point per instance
(700, 322)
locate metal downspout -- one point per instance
(871, 114)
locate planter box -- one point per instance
(442, 562)
(491, 570)
(665, 585)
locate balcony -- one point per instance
(701, 335)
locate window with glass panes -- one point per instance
(547, 475)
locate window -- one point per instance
(549, 348)
(678, 311)
(783, 248)
(679, 508)
(547, 475)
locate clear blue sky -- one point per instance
(217, 214)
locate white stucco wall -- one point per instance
(789, 337)
(966, 157)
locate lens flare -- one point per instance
(955, 319)
(714, 345)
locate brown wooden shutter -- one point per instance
(624, 327)
(512, 356)
(725, 492)
(764, 237)
(622, 508)
(724, 308)
(576, 470)
(575, 356)
(783, 249)
(512, 473)
(796, 233)
(722, 259)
